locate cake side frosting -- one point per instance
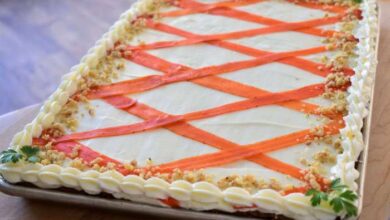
(359, 95)
(203, 195)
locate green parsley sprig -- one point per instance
(339, 197)
(28, 153)
(358, 1)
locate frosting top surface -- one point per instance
(243, 127)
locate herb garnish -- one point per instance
(28, 153)
(338, 196)
(358, 1)
(10, 156)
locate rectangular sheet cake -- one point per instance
(227, 105)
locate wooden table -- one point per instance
(41, 40)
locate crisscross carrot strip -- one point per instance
(151, 82)
(120, 130)
(266, 99)
(84, 152)
(232, 155)
(318, 5)
(221, 84)
(191, 7)
(208, 7)
(238, 89)
(310, 66)
(207, 76)
(186, 130)
(214, 82)
(241, 34)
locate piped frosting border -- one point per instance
(200, 195)
(359, 94)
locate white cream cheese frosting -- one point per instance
(203, 195)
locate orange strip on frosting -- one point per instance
(121, 130)
(208, 7)
(186, 130)
(206, 76)
(314, 4)
(240, 34)
(232, 155)
(310, 66)
(84, 152)
(88, 155)
(151, 82)
(214, 82)
(190, 7)
(238, 89)
(266, 99)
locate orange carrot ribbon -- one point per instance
(232, 155)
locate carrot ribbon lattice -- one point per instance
(310, 66)
(191, 7)
(154, 81)
(239, 34)
(209, 77)
(228, 156)
(186, 130)
(120, 130)
(266, 99)
(213, 82)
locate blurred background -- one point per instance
(40, 40)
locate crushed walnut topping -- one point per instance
(177, 174)
(346, 43)
(318, 131)
(130, 166)
(96, 161)
(275, 184)
(75, 151)
(348, 3)
(325, 156)
(55, 131)
(303, 161)
(248, 182)
(196, 176)
(49, 156)
(65, 117)
(338, 147)
(310, 177)
(338, 107)
(79, 164)
(337, 79)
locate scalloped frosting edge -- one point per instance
(201, 195)
(359, 95)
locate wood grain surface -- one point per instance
(41, 40)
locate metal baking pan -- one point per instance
(110, 203)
